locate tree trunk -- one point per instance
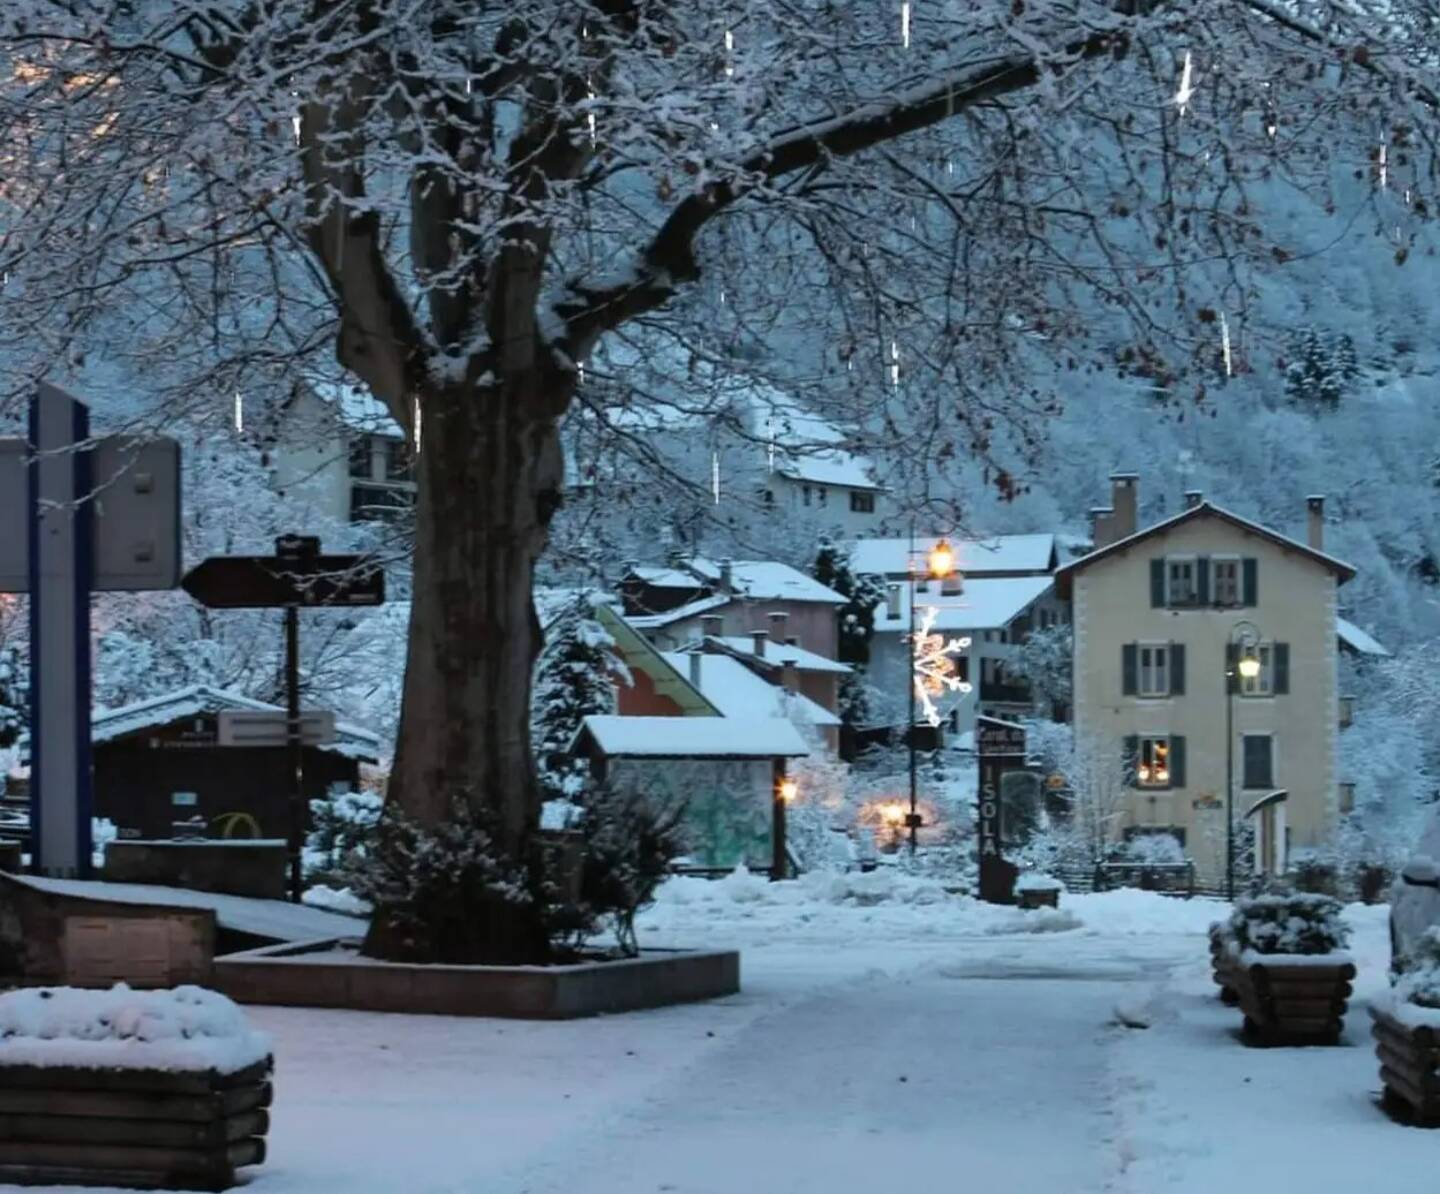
(489, 474)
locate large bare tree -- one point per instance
(462, 198)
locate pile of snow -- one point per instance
(1035, 881)
(187, 1028)
(1146, 1006)
(336, 899)
(885, 885)
(1034, 920)
(1130, 912)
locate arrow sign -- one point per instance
(268, 582)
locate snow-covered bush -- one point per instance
(342, 828)
(626, 843)
(1420, 983)
(439, 890)
(1298, 923)
(12, 698)
(1153, 849)
(1321, 368)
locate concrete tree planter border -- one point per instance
(1224, 961)
(1292, 999)
(331, 973)
(133, 1128)
(1409, 1067)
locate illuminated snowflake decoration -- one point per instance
(933, 665)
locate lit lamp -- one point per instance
(939, 565)
(1242, 663)
(786, 790)
(789, 789)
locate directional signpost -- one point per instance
(297, 576)
(1001, 748)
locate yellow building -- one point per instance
(1163, 619)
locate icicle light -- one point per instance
(894, 363)
(295, 126)
(1225, 346)
(1384, 166)
(729, 50)
(415, 423)
(239, 412)
(905, 23)
(715, 477)
(1187, 88)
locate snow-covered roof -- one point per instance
(805, 661)
(278, 920)
(1343, 570)
(1032, 553)
(1358, 641)
(693, 737)
(691, 609)
(108, 724)
(829, 466)
(986, 603)
(739, 693)
(355, 406)
(768, 580)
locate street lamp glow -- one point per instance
(941, 561)
(1249, 665)
(789, 789)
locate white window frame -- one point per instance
(1215, 562)
(1262, 685)
(1142, 763)
(1158, 670)
(1194, 562)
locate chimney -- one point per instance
(790, 676)
(1102, 526)
(1193, 497)
(727, 577)
(695, 660)
(1124, 493)
(757, 639)
(777, 626)
(1315, 505)
(712, 626)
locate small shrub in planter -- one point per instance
(1406, 1027)
(1224, 960)
(1292, 976)
(1034, 890)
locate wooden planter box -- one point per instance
(1409, 1068)
(1292, 1000)
(1039, 897)
(140, 1129)
(1223, 963)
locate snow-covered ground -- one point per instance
(888, 1037)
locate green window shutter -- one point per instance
(1177, 669)
(1129, 670)
(1177, 761)
(1258, 761)
(1157, 583)
(1280, 656)
(1232, 662)
(1202, 581)
(1249, 581)
(1132, 754)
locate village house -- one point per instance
(1167, 622)
(1001, 590)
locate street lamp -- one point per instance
(786, 790)
(1242, 662)
(939, 565)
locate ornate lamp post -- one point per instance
(929, 662)
(1242, 662)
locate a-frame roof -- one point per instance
(1342, 570)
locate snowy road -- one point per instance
(914, 1081)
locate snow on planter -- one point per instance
(1406, 1027)
(1288, 967)
(130, 1088)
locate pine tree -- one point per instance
(1322, 367)
(857, 624)
(574, 678)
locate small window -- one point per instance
(767, 496)
(823, 492)
(1347, 798)
(399, 461)
(1264, 683)
(1154, 671)
(806, 493)
(1259, 761)
(862, 503)
(952, 585)
(892, 601)
(372, 503)
(1225, 581)
(1152, 766)
(1180, 581)
(361, 458)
